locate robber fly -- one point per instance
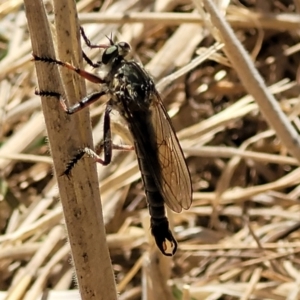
(133, 94)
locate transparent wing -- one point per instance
(174, 181)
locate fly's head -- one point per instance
(111, 59)
(115, 51)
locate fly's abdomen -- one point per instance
(159, 222)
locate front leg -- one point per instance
(87, 75)
(92, 46)
(90, 62)
(88, 42)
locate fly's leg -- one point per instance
(89, 99)
(107, 142)
(87, 75)
(84, 102)
(90, 45)
(96, 154)
(89, 61)
(88, 42)
(100, 148)
(105, 146)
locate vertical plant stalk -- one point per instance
(80, 192)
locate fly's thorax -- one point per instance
(132, 86)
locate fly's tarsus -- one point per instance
(133, 94)
(70, 165)
(55, 95)
(77, 157)
(49, 60)
(47, 94)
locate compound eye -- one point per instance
(109, 54)
(124, 48)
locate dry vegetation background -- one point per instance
(240, 238)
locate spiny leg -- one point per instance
(84, 102)
(106, 145)
(87, 75)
